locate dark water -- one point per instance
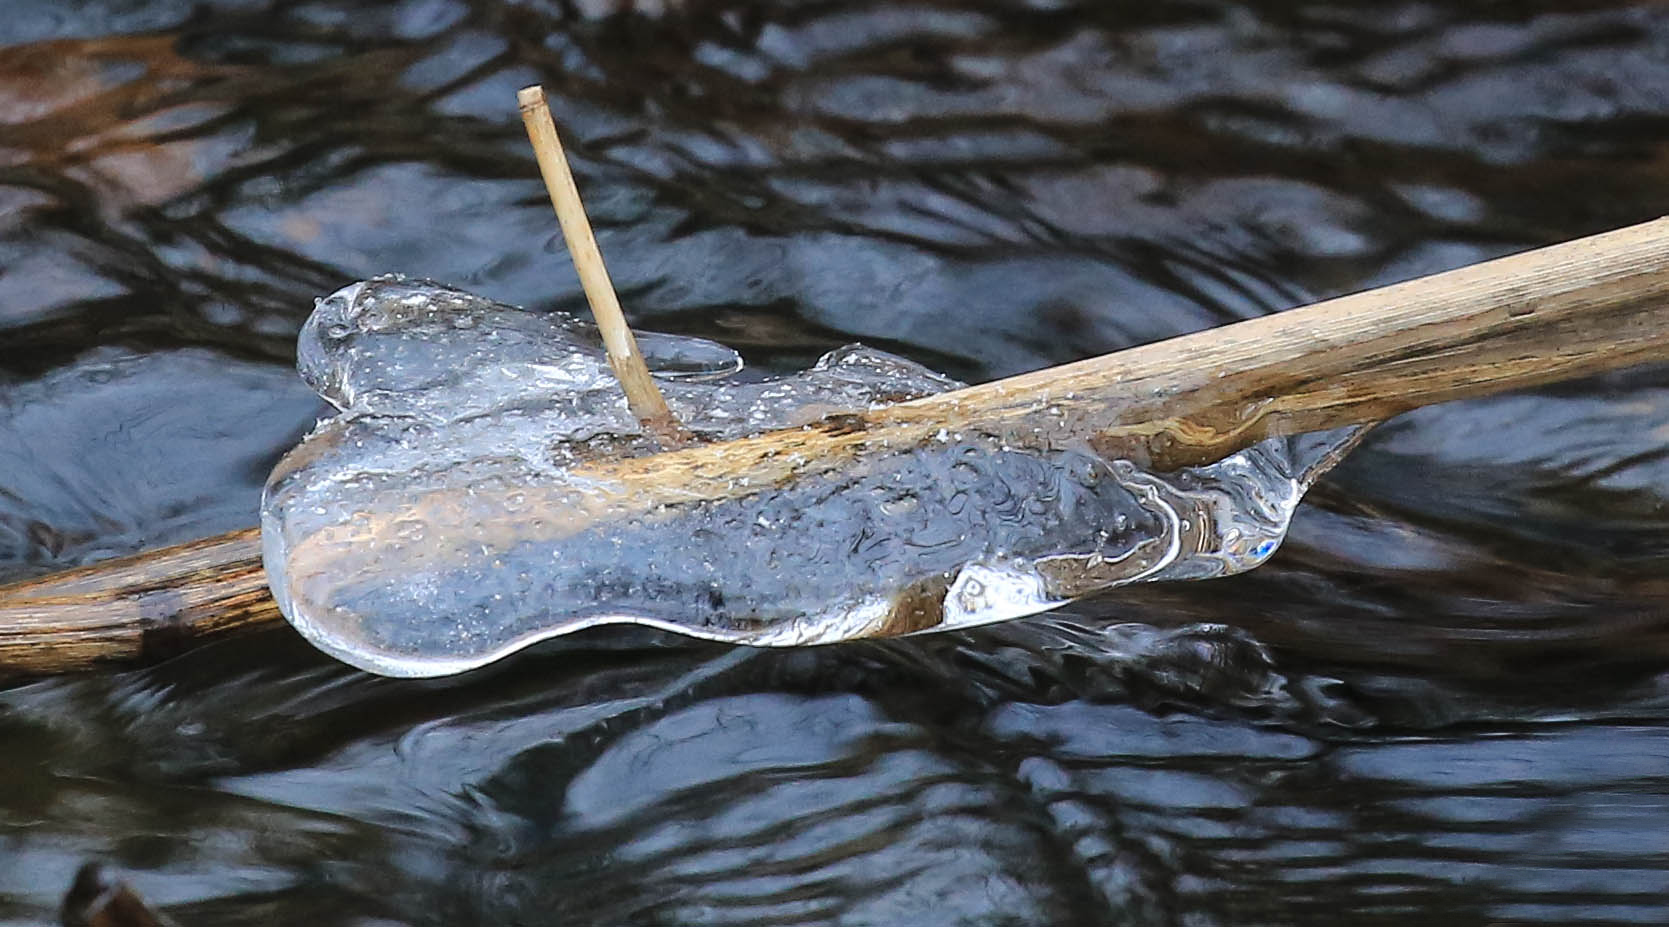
(1445, 702)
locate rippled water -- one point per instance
(1445, 695)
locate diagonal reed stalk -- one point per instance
(1569, 310)
(643, 397)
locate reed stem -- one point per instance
(1569, 310)
(642, 396)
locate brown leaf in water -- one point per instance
(95, 899)
(97, 109)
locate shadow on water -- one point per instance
(1446, 695)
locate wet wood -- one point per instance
(1569, 310)
(140, 608)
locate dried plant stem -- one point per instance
(1574, 309)
(642, 396)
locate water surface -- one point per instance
(1444, 698)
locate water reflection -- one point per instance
(1446, 695)
(632, 782)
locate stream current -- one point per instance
(1442, 700)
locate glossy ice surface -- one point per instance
(454, 511)
(1444, 701)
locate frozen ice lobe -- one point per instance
(463, 504)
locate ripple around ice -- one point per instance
(448, 517)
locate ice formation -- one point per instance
(461, 507)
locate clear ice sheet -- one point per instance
(447, 517)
